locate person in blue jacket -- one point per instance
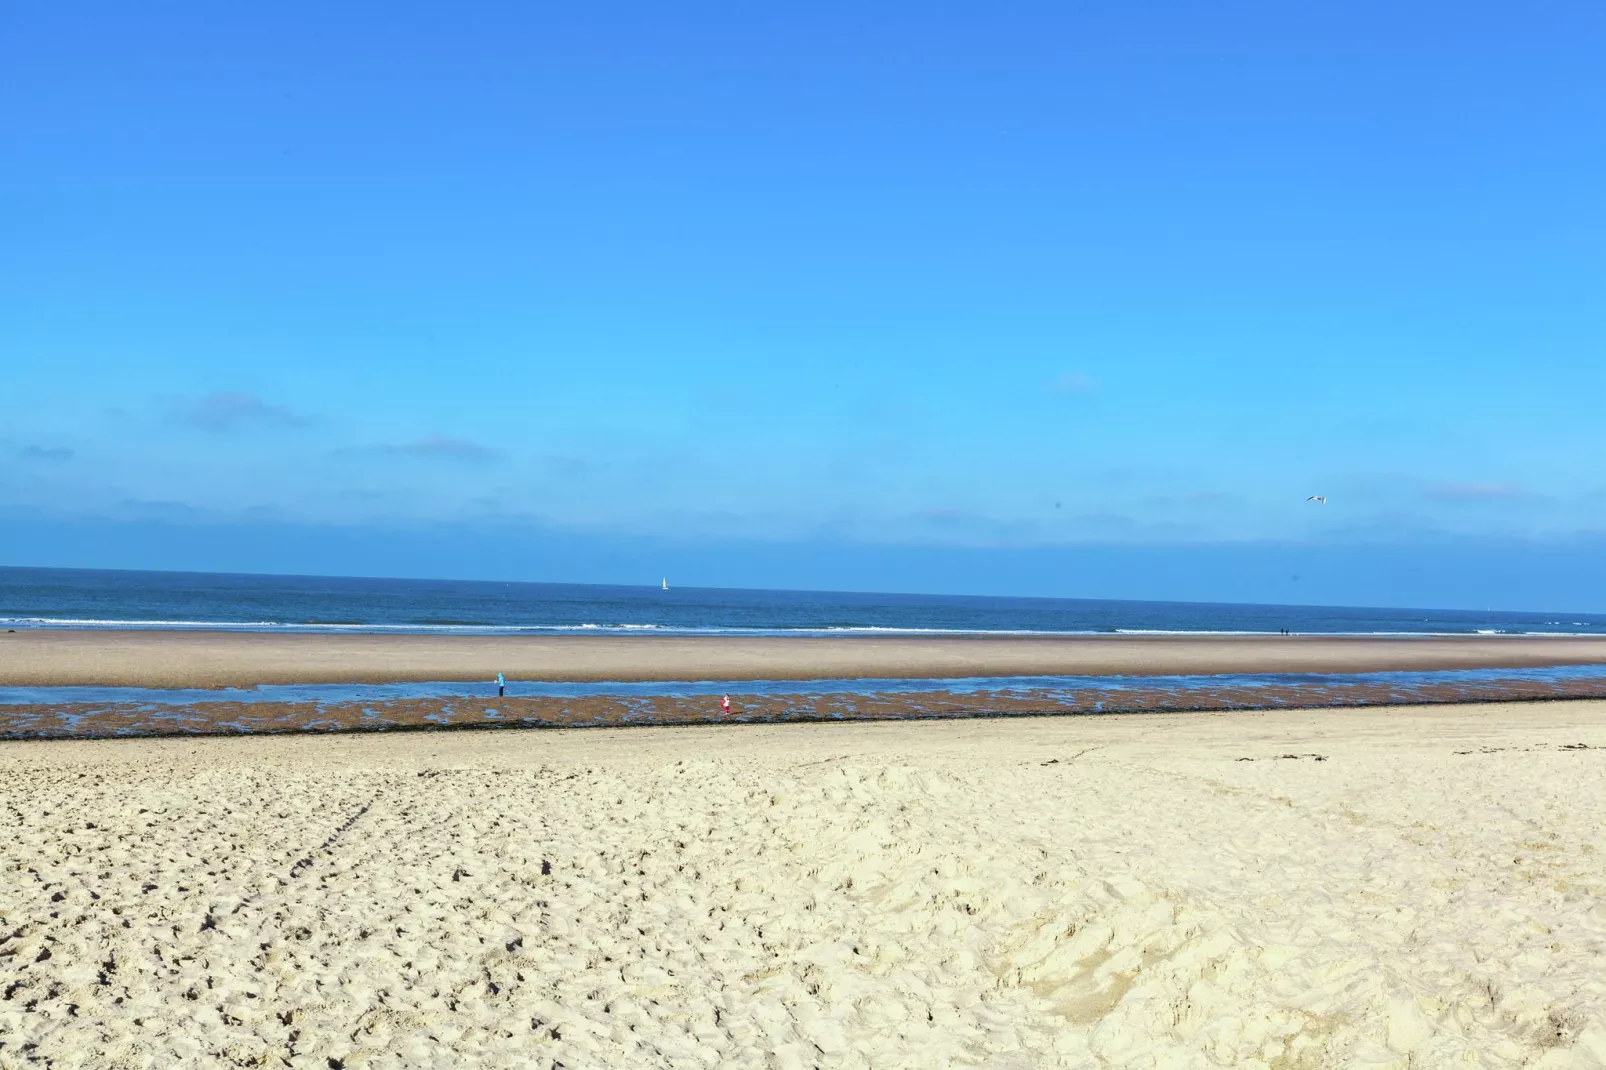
(501, 686)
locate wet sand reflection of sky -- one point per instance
(68, 713)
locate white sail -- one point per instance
(666, 583)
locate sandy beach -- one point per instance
(1403, 887)
(45, 657)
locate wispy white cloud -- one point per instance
(232, 410)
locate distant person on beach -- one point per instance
(725, 704)
(501, 686)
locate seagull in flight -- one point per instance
(1317, 498)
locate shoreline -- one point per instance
(191, 659)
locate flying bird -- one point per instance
(1317, 498)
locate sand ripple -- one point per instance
(1120, 892)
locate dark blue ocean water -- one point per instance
(34, 597)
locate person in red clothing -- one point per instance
(725, 704)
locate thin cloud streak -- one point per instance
(1476, 492)
(233, 410)
(46, 453)
(1072, 384)
(439, 446)
(460, 449)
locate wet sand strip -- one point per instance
(172, 659)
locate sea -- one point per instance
(96, 598)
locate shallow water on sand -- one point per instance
(88, 712)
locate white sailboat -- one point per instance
(666, 583)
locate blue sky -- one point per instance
(986, 278)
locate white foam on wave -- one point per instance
(673, 629)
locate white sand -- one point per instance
(914, 894)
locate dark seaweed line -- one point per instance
(809, 717)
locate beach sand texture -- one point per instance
(105, 657)
(1403, 887)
